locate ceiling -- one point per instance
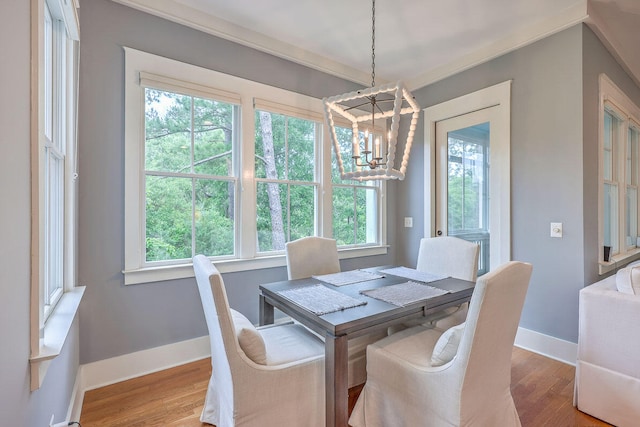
(417, 41)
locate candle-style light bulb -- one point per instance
(354, 147)
(366, 140)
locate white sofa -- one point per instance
(607, 384)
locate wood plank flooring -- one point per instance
(542, 389)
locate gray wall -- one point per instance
(18, 406)
(117, 319)
(554, 167)
(546, 172)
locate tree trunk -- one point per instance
(273, 190)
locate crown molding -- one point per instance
(580, 12)
(196, 19)
(520, 38)
(613, 45)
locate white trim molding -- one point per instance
(132, 365)
(546, 345)
(175, 11)
(498, 96)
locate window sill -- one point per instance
(56, 331)
(618, 261)
(182, 271)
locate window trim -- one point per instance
(50, 327)
(613, 98)
(250, 93)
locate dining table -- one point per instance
(347, 305)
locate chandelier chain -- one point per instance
(373, 43)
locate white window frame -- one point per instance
(614, 100)
(54, 295)
(249, 93)
(290, 112)
(152, 81)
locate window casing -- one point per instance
(54, 294)
(276, 178)
(619, 163)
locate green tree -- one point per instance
(185, 138)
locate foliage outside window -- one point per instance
(355, 203)
(468, 189)
(286, 182)
(190, 184)
(218, 167)
(619, 171)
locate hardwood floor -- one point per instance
(542, 389)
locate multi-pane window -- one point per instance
(232, 169)
(611, 147)
(355, 203)
(54, 142)
(54, 294)
(286, 184)
(620, 162)
(190, 183)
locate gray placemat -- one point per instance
(404, 293)
(413, 274)
(348, 277)
(319, 299)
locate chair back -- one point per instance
(310, 256)
(223, 341)
(450, 256)
(487, 343)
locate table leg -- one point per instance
(265, 311)
(336, 381)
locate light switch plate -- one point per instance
(556, 229)
(408, 221)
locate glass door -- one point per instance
(463, 177)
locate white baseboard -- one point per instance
(132, 365)
(75, 403)
(546, 345)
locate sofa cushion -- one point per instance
(249, 338)
(447, 345)
(628, 280)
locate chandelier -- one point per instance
(373, 155)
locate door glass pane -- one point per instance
(468, 188)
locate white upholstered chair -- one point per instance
(315, 256)
(267, 377)
(607, 383)
(311, 256)
(452, 257)
(460, 377)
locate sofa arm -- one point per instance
(609, 328)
